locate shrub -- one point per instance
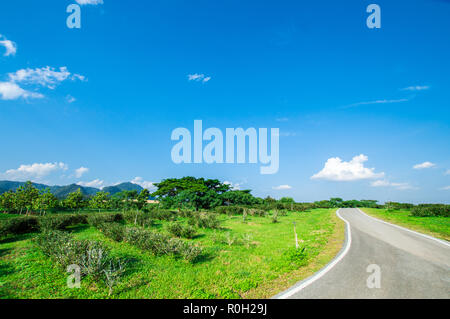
(179, 230)
(91, 256)
(167, 215)
(96, 219)
(160, 244)
(430, 210)
(94, 260)
(18, 225)
(115, 231)
(61, 222)
(275, 217)
(230, 210)
(61, 247)
(204, 220)
(138, 218)
(297, 256)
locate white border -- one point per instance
(441, 241)
(323, 271)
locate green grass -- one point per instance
(222, 272)
(436, 226)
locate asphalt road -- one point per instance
(410, 265)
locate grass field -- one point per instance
(258, 269)
(438, 227)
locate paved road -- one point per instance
(411, 265)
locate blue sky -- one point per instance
(107, 96)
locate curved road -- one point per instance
(410, 265)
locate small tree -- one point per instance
(99, 201)
(24, 197)
(142, 198)
(7, 201)
(45, 202)
(74, 200)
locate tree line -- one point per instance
(173, 193)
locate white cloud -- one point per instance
(379, 102)
(144, 184)
(416, 88)
(34, 171)
(47, 76)
(97, 183)
(11, 91)
(446, 188)
(81, 171)
(337, 170)
(282, 119)
(385, 183)
(92, 2)
(233, 186)
(282, 187)
(198, 77)
(11, 47)
(70, 99)
(447, 172)
(424, 165)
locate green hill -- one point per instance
(122, 187)
(63, 191)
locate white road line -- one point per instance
(446, 243)
(322, 272)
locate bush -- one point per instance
(431, 210)
(204, 220)
(61, 247)
(230, 210)
(160, 244)
(96, 219)
(115, 231)
(297, 256)
(61, 222)
(138, 218)
(18, 225)
(178, 230)
(167, 215)
(92, 257)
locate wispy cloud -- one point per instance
(282, 187)
(424, 165)
(199, 78)
(81, 171)
(445, 188)
(10, 46)
(47, 76)
(416, 88)
(12, 91)
(385, 183)
(384, 101)
(97, 183)
(144, 184)
(336, 169)
(34, 172)
(447, 172)
(70, 99)
(91, 2)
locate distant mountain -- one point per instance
(122, 187)
(63, 191)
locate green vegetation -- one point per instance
(437, 226)
(200, 239)
(237, 258)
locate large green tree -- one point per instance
(191, 191)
